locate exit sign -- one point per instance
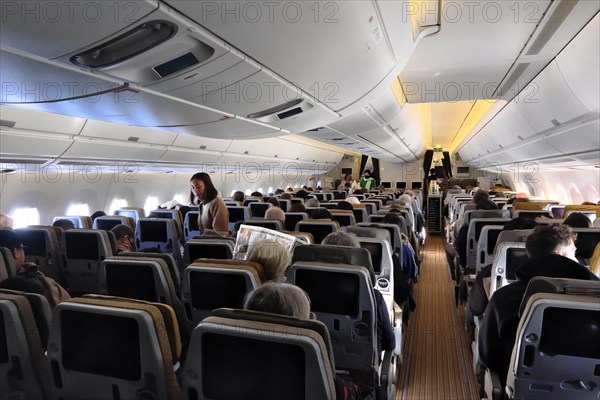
(438, 149)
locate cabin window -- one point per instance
(248, 192)
(260, 190)
(25, 216)
(78, 209)
(232, 192)
(151, 204)
(270, 189)
(117, 204)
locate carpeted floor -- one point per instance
(437, 361)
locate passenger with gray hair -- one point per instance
(312, 202)
(279, 298)
(275, 213)
(273, 257)
(341, 239)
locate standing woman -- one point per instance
(214, 215)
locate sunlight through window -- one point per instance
(25, 216)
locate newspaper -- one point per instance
(248, 235)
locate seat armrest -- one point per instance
(493, 388)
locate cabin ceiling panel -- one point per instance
(118, 151)
(386, 105)
(180, 156)
(579, 64)
(228, 128)
(553, 104)
(580, 139)
(356, 123)
(346, 37)
(20, 144)
(51, 29)
(197, 142)
(39, 121)
(107, 130)
(476, 46)
(25, 80)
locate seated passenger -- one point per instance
(256, 194)
(478, 299)
(238, 196)
(551, 250)
(97, 214)
(286, 196)
(279, 191)
(6, 221)
(275, 213)
(297, 208)
(385, 333)
(65, 224)
(290, 300)
(321, 213)
(274, 201)
(273, 257)
(52, 290)
(578, 220)
(312, 202)
(344, 205)
(125, 237)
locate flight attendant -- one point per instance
(214, 215)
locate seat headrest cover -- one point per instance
(335, 255)
(543, 284)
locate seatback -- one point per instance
(375, 218)
(508, 258)
(83, 250)
(175, 215)
(272, 224)
(220, 248)
(304, 237)
(236, 214)
(211, 284)
(162, 233)
(111, 348)
(292, 218)
(168, 259)
(596, 223)
(588, 210)
(24, 324)
(342, 298)
(267, 360)
(8, 261)
(80, 222)
(190, 225)
(343, 218)
(395, 235)
(512, 236)
(107, 222)
(43, 249)
(486, 245)
(557, 210)
(285, 204)
(378, 203)
(360, 212)
(381, 259)
(554, 351)
(335, 255)
(132, 212)
(249, 200)
(475, 227)
(258, 209)
(146, 279)
(318, 228)
(532, 214)
(471, 214)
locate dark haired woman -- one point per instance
(214, 215)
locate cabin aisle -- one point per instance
(437, 357)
